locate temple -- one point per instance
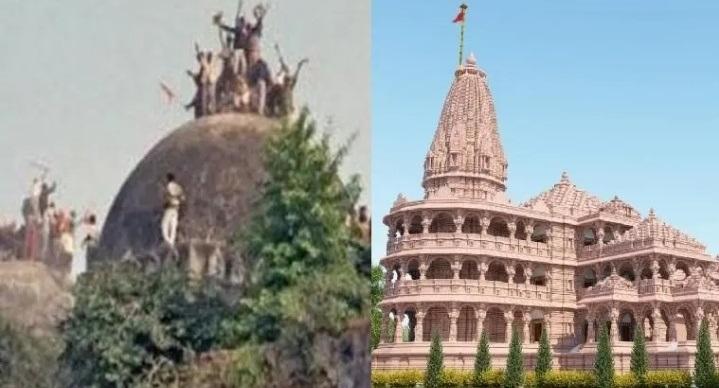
(465, 259)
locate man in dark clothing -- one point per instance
(45, 191)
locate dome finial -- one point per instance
(565, 178)
(651, 213)
(471, 60)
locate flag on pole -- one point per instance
(460, 16)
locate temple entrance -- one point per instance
(536, 331)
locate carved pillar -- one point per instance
(405, 226)
(483, 267)
(383, 327)
(509, 267)
(672, 268)
(419, 327)
(528, 274)
(512, 226)
(655, 269)
(453, 315)
(480, 314)
(458, 223)
(590, 328)
(698, 321)
(484, 223)
(614, 316)
(509, 318)
(456, 266)
(659, 331)
(426, 222)
(600, 234)
(525, 326)
(712, 319)
(423, 267)
(398, 330)
(528, 231)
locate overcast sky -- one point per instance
(80, 91)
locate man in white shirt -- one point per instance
(174, 197)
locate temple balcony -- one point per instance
(646, 290)
(467, 290)
(600, 250)
(498, 244)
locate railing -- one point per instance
(644, 287)
(465, 240)
(468, 286)
(617, 248)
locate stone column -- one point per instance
(484, 223)
(426, 222)
(600, 234)
(422, 268)
(712, 319)
(590, 328)
(458, 223)
(659, 331)
(614, 316)
(456, 266)
(510, 272)
(525, 326)
(419, 327)
(480, 314)
(528, 274)
(383, 327)
(673, 328)
(453, 315)
(398, 326)
(405, 226)
(655, 269)
(698, 321)
(512, 226)
(509, 318)
(483, 267)
(548, 325)
(528, 230)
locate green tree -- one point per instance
(704, 368)
(639, 364)
(544, 357)
(129, 328)
(376, 293)
(304, 261)
(435, 363)
(604, 364)
(514, 375)
(483, 360)
(26, 360)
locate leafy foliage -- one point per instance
(129, 327)
(640, 358)
(544, 357)
(307, 266)
(604, 364)
(514, 375)
(704, 368)
(26, 360)
(376, 292)
(483, 360)
(435, 363)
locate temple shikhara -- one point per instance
(466, 259)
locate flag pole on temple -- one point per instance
(460, 18)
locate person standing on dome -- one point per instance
(174, 197)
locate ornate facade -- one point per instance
(465, 259)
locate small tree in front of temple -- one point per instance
(483, 361)
(435, 363)
(544, 357)
(640, 359)
(704, 367)
(514, 375)
(604, 364)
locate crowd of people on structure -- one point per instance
(238, 79)
(49, 232)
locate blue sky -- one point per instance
(621, 94)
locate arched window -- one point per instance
(413, 269)
(590, 237)
(439, 269)
(471, 225)
(540, 233)
(496, 326)
(590, 277)
(497, 272)
(498, 227)
(519, 276)
(521, 234)
(626, 327)
(442, 223)
(469, 270)
(466, 325)
(539, 276)
(627, 272)
(437, 319)
(399, 228)
(646, 273)
(415, 227)
(608, 234)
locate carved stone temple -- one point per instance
(465, 259)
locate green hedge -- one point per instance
(553, 379)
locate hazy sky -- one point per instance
(622, 94)
(80, 89)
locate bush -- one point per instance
(544, 357)
(514, 375)
(483, 360)
(26, 360)
(129, 328)
(704, 367)
(604, 364)
(640, 359)
(435, 363)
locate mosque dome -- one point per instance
(216, 159)
(466, 158)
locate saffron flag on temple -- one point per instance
(460, 16)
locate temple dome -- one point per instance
(466, 158)
(566, 199)
(653, 228)
(218, 161)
